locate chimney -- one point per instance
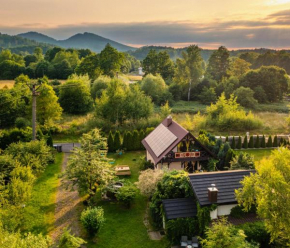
(212, 193)
(168, 120)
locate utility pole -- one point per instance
(33, 89)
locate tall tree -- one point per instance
(190, 68)
(218, 64)
(268, 189)
(88, 166)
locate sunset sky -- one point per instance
(208, 23)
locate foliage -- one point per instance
(75, 96)
(242, 161)
(218, 64)
(99, 85)
(117, 141)
(245, 97)
(68, 240)
(272, 79)
(111, 147)
(144, 164)
(90, 65)
(263, 142)
(181, 227)
(239, 145)
(237, 212)
(256, 232)
(203, 217)
(174, 184)
(126, 194)
(251, 142)
(268, 189)
(245, 143)
(257, 142)
(226, 115)
(88, 166)
(21, 123)
(238, 67)
(154, 86)
(233, 144)
(14, 135)
(165, 110)
(275, 143)
(93, 219)
(189, 68)
(270, 143)
(222, 234)
(208, 95)
(148, 180)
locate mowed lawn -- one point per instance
(124, 227)
(39, 212)
(258, 154)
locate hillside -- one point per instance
(19, 44)
(86, 40)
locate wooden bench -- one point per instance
(123, 170)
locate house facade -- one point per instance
(171, 146)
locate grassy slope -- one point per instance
(39, 212)
(124, 227)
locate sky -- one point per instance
(235, 24)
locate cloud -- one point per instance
(273, 31)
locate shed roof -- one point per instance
(226, 182)
(179, 208)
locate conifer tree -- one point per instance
(275, 143)
(130, 145)
(141, 137)
(270, 143)
(136, 140)
(282, 142)
(111, 142)
(117, 141)
(239, 145)
(257, 143)
(49, 140)
(233, 143)
(251, 142)
(245, 144)
(263, 142)
(227, 139)
(125, 141)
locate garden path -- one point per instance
(68, 208)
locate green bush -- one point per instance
(14, 135)
(270, 143)
(239, 145)
(21, 122)
(256, 232)
(117, 141)
(257, 143)
(263, 142)
(126, 194)
(135, 141)
(92, 219)
(143, 164)
(181, 227)
(68, 240)
(237, 212)
(233, 145)
(111, 147)
(245, 143)
(275, 144)
(251, 142)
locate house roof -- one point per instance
(225, 181)
(163, 139)
(179, 208)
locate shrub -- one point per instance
(148, 181)
(144, 164)
(126, 194)
(245, 97)
(135, 140)
(251, 142)
(275, 144)
(68, 240)
(207, 96)
(270, 143)
(93, 219)
(263, 142)
(111, 142)
(233, 145)
(237, 212)
(21, 122)
(14, 135)
(239, 145)
(256, 232)
(257, 143)
(141, 137)
(99, 85)
(245, 143)
(117, 141)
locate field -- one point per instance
(10, 83)
(39, 212)
(258, 154)
(124, 227)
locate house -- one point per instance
(172, 146)
(209, 188)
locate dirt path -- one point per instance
(68, 208)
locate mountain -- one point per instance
(90, 41)
(19, 44)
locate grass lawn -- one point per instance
(124, 227)
(39, 212)
(259, 154)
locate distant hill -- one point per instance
(90, 41)
(19, 44)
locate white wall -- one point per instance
(149, 158)
(213, 214)
(225, 209)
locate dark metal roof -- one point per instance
(226, 182)
(179, 208)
